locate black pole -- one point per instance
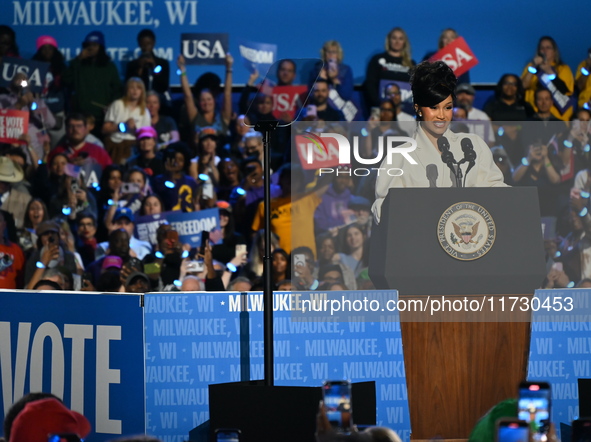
(265, 127)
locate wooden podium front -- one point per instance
(458, 365)
(457, 371)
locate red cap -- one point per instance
(41, 418)
(223, 205)
(146, 132)
(46, 40)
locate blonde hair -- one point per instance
(329, 45)
(142, 99)
(406, 51)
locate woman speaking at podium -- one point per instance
(433, 86)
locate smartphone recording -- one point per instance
(337, 403)
(533, 406)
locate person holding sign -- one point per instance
(393, 64)
(433, 89)
(204, 113)
(40, 118)
(548, 71)
(446, 37)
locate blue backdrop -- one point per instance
(194, 340)
(503, 34)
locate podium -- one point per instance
(428, 245)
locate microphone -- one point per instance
(432, 175)
(469, 153)
(447, 157)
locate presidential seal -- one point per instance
(466, 231)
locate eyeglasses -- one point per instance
(509, 83)
(76, 125)
(386, 109)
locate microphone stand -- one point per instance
(459, 175)
(448, 158)
(265, 127)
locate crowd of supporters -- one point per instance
(104, 147)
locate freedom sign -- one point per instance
(257, 56)
(191, 224)
(147, 225)
(13, 123)
(458, 56)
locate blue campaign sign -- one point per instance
(36, 71)
(191, 224)
(257, 56)
(147, 225)
(560, 347)
(84, 348)
(205, 48)
(197, 339)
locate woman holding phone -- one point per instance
(332, 69)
